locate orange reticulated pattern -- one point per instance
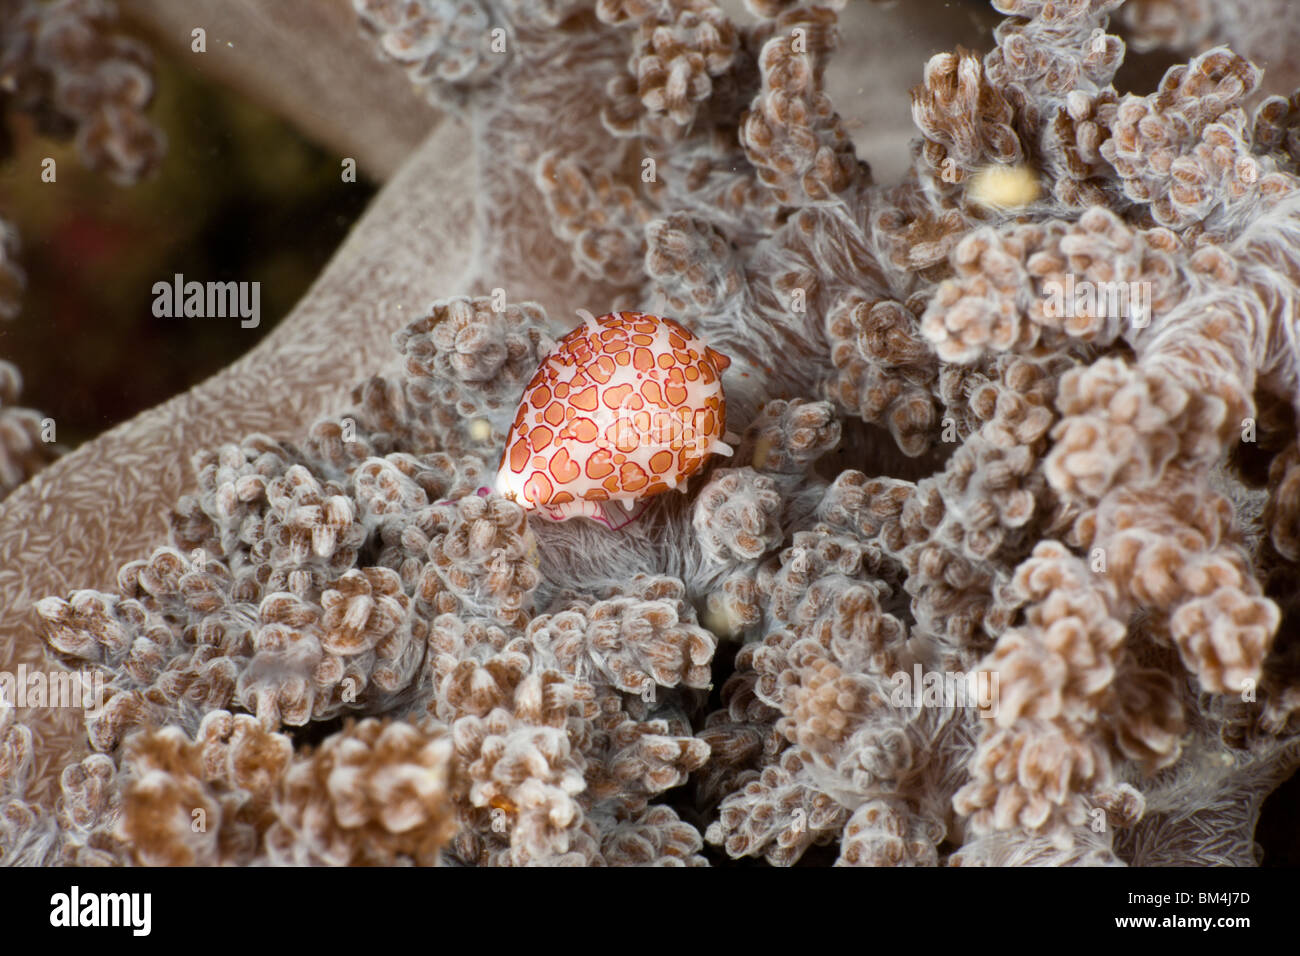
(627, 405)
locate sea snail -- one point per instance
(625, 406)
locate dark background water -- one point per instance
(241, 196)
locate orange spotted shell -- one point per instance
(626, 406)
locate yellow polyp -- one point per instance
(720, 621)
(501, 803)
(1004, 187)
